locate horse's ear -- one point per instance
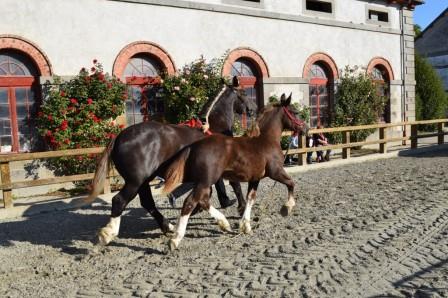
(282, 98)
(235, 82)
(288, 100)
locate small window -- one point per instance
(320, 6)
(378, 16)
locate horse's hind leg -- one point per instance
(200, 196)
(119, 203)
(147, 201)
(251, 194)
(239, 194)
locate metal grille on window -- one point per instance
(18, 104)
(319, 96)
(248, 78)
(143, 102)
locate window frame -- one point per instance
(370, 8)
(306, 11)
(248, 3)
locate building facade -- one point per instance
(297, 46)
(433, 45)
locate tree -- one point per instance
(431, 100)
(357, 103)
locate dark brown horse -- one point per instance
(142, 151)
(245, 159)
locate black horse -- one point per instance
(143, 151)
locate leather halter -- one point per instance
(293, 118)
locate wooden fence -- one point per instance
(7, 186)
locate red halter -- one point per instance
(293, 118)
(195, 123)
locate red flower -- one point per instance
(40, 114)
(49, 133)
(101, 77)
(89, 101)
(121, 126)
(73, 101)
(67, 141)
(62, 93)
(49, 117)
(64, 125)
(109, 85)
(94, 61)
(93, 69)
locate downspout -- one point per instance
(403, 73)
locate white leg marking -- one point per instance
(110, 231)
(180, 232)
(220, 218)
(245, 221)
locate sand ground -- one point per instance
(376, 229)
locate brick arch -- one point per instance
(321, 57)
(30, 49)
(384, 64)
(249, 54)
(139, 47)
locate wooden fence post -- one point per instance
(346, 140)
(302, 156)
(441, 136)
(414, 136)
(6, 178)
(383, 136)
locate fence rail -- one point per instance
(7, 186)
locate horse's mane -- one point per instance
(209, 105)
(254, 129)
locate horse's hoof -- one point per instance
(224, 226)
(105, 237)
(245, 227)
(286, 210)
(167, 227)
(173, 244)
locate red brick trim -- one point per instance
(142, 47)
(249, 54)
(384, 63)
(30, 49)
(321, 57)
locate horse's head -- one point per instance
(290, 116)
(242, 103)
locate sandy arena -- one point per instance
(376, 229)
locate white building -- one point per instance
(275, 46)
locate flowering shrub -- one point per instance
(186, 92)
(80, 113)
(357, 103)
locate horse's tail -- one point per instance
(100, 174)
(175, 172)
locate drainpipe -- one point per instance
(403, 73)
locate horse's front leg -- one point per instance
(281, 176)
(239, 195)
(147, 201)
(251, 194)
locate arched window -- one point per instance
(381, 79)
(18, 101)
(140, 74)
(248, 78)
(320, 95)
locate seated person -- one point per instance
(321, 140)
(309, 144)
(293, 144)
